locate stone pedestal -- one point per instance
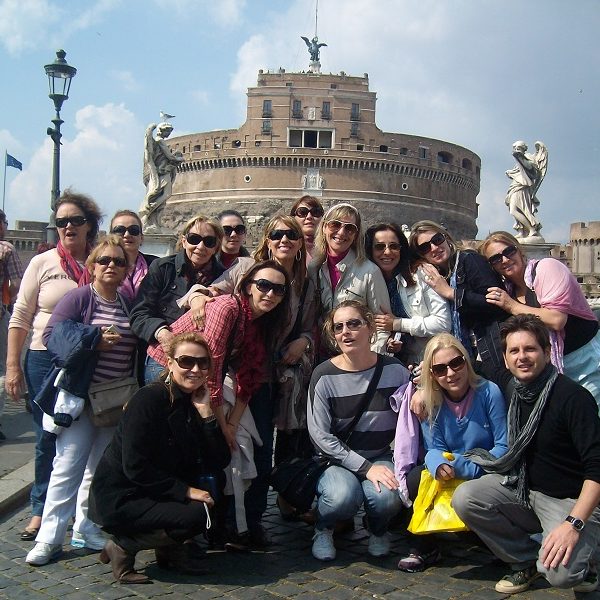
(537, 250)
(159, 244)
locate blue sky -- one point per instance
(478, 73)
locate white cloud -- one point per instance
(104, 160)
(24, 22)
(202, 97)
(126, 79)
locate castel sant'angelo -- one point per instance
(316, 133)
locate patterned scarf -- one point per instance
(398, 309)
(71, 267)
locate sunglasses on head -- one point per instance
(118, 261)
(508, 252)
(335, 225)
(76, 221)
(122, 230)
(381, 246)
(290, 234)
(239, 229)
(316, 211)
(456, 364)
(351, 325)
(188, 362)
(265, 286)
(195, 239)
(437, 240)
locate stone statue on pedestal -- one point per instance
(160, 170)
(526, 177)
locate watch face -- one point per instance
(577, 524)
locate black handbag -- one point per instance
(295, 479)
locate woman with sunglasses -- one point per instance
(128, 225)
(361, 470)
(107, 343)
(48, 277)
(418, 312)
(160, 474)
(463, 412)
(547, 289)
(234, 236)
(308, 211)
(462, 277)
(169, 279)
(341, 270)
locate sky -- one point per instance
(478, 73)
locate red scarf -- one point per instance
(71, 267)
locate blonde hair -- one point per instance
(339, 212)
(502, 237)
(364, 311)
(432, 393)
(425, 226)
(198, 220)
(106, 241)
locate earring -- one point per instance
(299, 255)
(168, 378)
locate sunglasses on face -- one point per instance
(188, 362)
(381, 246)
(118, 261)
(351, 325)
(316, 211)
(122, 230)
(336, 225)
(437, 240)
(290, 234)
(239, 229)
(508, 252)
(265, 286)
(456, 364)
(195, 239)
(76, 221)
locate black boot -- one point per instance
(181, 558)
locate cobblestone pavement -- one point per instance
(286, 571)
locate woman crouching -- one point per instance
(145, 492)
(351, 423)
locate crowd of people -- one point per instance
(164, 390)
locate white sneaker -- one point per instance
(323, 548)
(42, 554)
(92, 541)
(379, 545)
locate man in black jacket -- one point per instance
(549, 481)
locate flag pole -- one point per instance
(4, 185)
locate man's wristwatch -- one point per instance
(576, 523)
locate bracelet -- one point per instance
(210, 419)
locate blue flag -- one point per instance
(11, 161)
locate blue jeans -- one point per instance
(255, 499)
(152, 370)
(340, 493)
(37, 366)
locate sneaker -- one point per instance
(589, 583)
(42, 554)
(379, 545)
(323, 548)
(416, 562)
(91, 541)
(517, 581)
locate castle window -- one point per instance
(360, 147)
(325, 138)
(297, 109)
(444, 157)
(295, 138)
(354, 130)
(326, 111)
(383, 148)
(467, 164)
(197, 148)
(423, 152)
(333, 86)
(310, 139)
(266, 127)
(355, 112)
(267, 111)
(403, 151)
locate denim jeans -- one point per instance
(340, 493)
(152, 370)
(37, 366)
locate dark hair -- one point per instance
(126, 213)
(91, 211)
(406, 254)
(306, 199)
(230, 213)
(270, 324)
(529, 323)
(364, 311)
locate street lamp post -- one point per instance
(59, 74)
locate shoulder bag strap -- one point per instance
(368, 396)
(298, 322)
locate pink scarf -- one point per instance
(71, 267)
(132, 281)
(332, 264)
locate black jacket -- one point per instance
(157, 452)
(156, 303)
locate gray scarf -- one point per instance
(513, 462)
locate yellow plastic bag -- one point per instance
(432, 511)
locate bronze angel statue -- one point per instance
(313, 47)
(526, 177)
(160, 169)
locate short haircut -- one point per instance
(112, 240)
(529, 323)
(198, 220)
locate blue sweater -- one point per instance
(483, 427)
